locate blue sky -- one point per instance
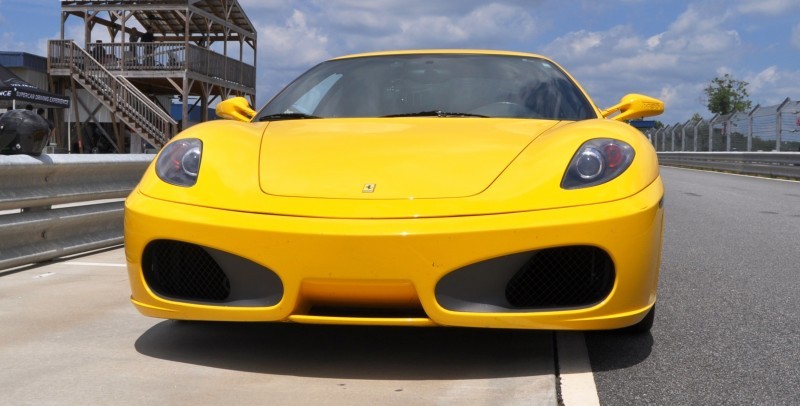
(665, 48)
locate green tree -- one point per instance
(696, 118)
(727, 95)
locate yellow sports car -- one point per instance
(412, 188)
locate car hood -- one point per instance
(390, 158)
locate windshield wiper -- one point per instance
(286, 116)
(435, 113)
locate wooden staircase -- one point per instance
(121, 97)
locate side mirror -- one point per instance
(633, 106)
(236, 108)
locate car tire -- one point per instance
(645, 325)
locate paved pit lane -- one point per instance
(70, 336)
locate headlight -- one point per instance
(597, 161)
(179, 162)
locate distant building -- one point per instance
(196, 52)
(30, 68)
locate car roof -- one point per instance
(443, 51)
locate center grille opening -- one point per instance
(367, 312)
(562, 277)
(184, 271)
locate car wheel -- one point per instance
(645, 325)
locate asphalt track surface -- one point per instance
(727, 327)
(726, 332)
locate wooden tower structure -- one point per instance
(137, 56)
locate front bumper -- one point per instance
(393, 264)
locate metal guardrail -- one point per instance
(32, 230)
(771, 164)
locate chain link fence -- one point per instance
(763, 129)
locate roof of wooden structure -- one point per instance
(217, 20)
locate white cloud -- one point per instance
(712, 41)
(772, 85)
(769, 7)
(669, 95)
(409, 9)
(654, 41)
(10, 42)
(699, 17)
(250, 5)
(286, 49)
(765, 78)
(293, 44)
(361, 22)
(795, 39)
(675, 65)
(592, 46)
(497, 21)
(293, 39)
(365, 28)
(582, 42)
(724, 70)
(681, 101)
(707, 37)
(442, 28)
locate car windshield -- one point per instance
(443, 85)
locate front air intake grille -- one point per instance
(562, 277)
(184, 271)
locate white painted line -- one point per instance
(95, 264)
(575, 370)
(45, 275)
(90, 202)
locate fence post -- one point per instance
(674, 129)
(696, 128)
(711, 132)
(683, 135)
(750, 127)
(667, 133)
(779, 124)
(657, 138)
(728, 126)
(688, 122)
